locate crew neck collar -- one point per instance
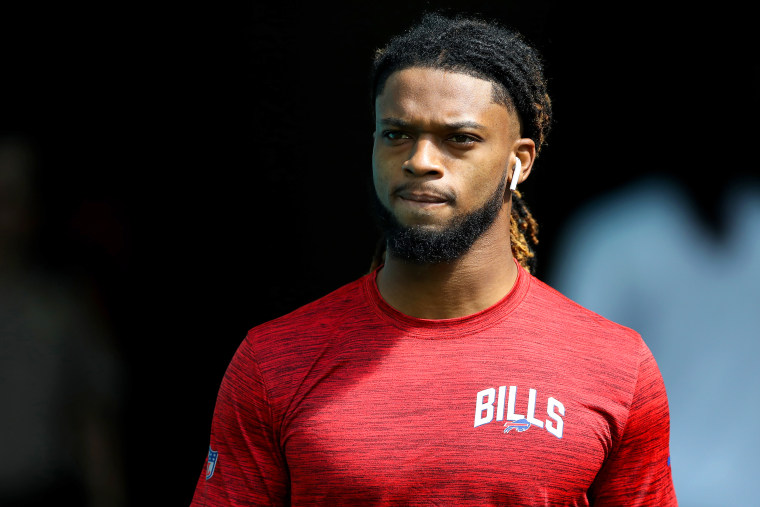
(447, 328)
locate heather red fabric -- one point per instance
(346, 401)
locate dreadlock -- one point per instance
(487, 51)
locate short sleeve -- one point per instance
(245, 465)
(637, 472)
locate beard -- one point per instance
(422, 245)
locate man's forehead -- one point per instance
(438, 97)
(416, 81)
(453, 124)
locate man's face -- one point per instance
(441, 152)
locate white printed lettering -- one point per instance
(532, 410)
(551, 405)
(480, 406)
(511, 416)
(500, 404)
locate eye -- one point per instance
(463, 139)
(395, 135)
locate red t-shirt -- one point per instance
(533, 401)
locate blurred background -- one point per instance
(173, 176)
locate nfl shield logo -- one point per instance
(211, 463)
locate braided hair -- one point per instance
(487, 51)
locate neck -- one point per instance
(474, 282)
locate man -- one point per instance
(448, 375)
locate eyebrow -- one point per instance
(398, 122)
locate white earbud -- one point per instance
(516, 174)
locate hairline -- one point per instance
(499, 93)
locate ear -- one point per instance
(525, 150)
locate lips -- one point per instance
(424, 196)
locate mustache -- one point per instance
(444, 194)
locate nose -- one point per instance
(425, 159)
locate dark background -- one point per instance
(205, 168)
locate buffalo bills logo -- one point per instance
(520, 425)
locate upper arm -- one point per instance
(637, 472)
(250, 468)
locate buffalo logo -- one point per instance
(212, 457)
(520, 425)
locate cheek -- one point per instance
(379, 179)
(484, 184)
(382, 187)
(492, 174)
(380, 171)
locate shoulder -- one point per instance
(577, 327)
(549, 302)
(312, 323)
(331, 307)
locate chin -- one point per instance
(431, 221)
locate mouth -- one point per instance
(423, 198)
